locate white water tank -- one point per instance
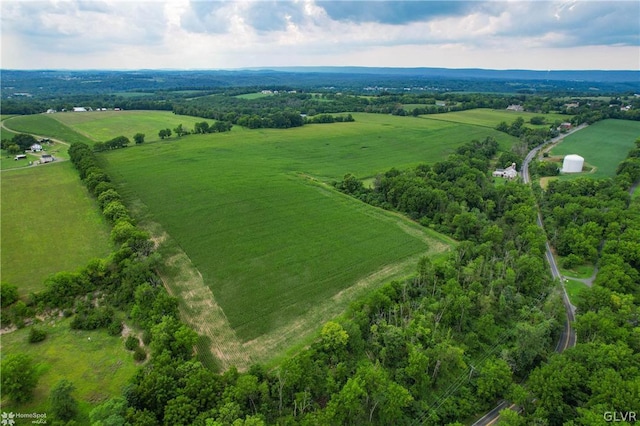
(572, 164)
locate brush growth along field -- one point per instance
(97, 364)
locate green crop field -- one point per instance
(97, 364)
(49, 224)
(274, 245)
(603, 145)
(105, 125)
(492, 117)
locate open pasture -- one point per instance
(49, 223)
(104, 125)
(603, 145)
(97, 364)
(46, 125)
(491, 117)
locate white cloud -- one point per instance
(228, 34)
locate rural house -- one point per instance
(508, 173)
(46, 158)
(36, 147)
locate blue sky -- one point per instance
(119, 34)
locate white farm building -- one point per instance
(572, 164)
(508, 173)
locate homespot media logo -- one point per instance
(620, 416)
(10, 419)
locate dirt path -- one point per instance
(199, 309)
(588, 281)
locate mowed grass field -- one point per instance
(46, 125)
(491, 117)
(49, 223)
(270, 243)
(104, 125)
(603, 144)
(97, 364)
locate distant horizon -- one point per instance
(282, 67)
(553, 35)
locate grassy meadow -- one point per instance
(486, 117)
(603, 145)
(574, 288)
(97, 364)
(104, 125)
(49, 223)
(46, 125)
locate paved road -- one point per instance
(568, 337)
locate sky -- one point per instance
(198, 34)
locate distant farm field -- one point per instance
(492, 117)
(46, 125)
(105, 125)
(99, 126)
(49, 224)
(603, 145)
(253, 211)
(256, 95)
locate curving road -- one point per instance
(568, 337)
(58, 159)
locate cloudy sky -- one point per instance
(198, 34)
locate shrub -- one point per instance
(139, 354)
(115, 328)
(572, 260)
(146, 337)
(37, 334)
(8, 294)
(131, 343)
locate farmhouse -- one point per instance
(51, 111)
(564, 126)
(46, 158)
(514, 107)
(36, 147)
(508, 173)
